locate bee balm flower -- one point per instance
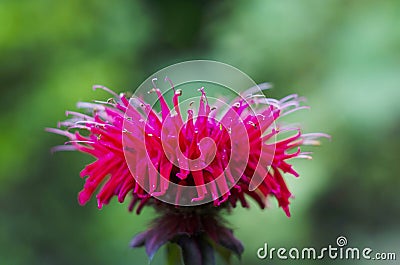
(211, 157)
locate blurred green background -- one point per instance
(343, 55)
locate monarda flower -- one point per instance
(188, 166)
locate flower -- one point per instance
(214, 159)
(105, 125)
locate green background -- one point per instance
(343, 55)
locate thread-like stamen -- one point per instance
(87, 105)
(91, 122)
(311, 142)
(153, 81)
(78, 127)
(292, 103)
(95, 87)
(203, 93)
(289, 97)
(304, 156)
(78, 142)
(60, 132)
(65, 124)
(167, 79)
(110, 102)
(59, 148)
(288, 127)
(79, 115)
(294, 110)
(267, 101)
(254, 96)
(311, 136)
(257, 88)
(163, 104)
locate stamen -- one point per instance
(59, 148)
(289, 104)
(105, 89)
(79, 115)
(110, 101)
(305, 155)
(310, 136)
(60, 132)
(78, 127)
(153, 81)
(289, 97)
(170, 82)
(311, 142)
(65, 124)
(287, 128)
(237, 105)
(257, 88)
(203, 93)
(178, 92)
(78, 142)
(293, 110)
(252, 96)
(91, 122)
(268, 101)
(163, 104)
(87, 105)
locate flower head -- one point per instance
(213, 157)
(224, 156)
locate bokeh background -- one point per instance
(343, 55)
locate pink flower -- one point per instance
(218, 156)
(148, 154)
